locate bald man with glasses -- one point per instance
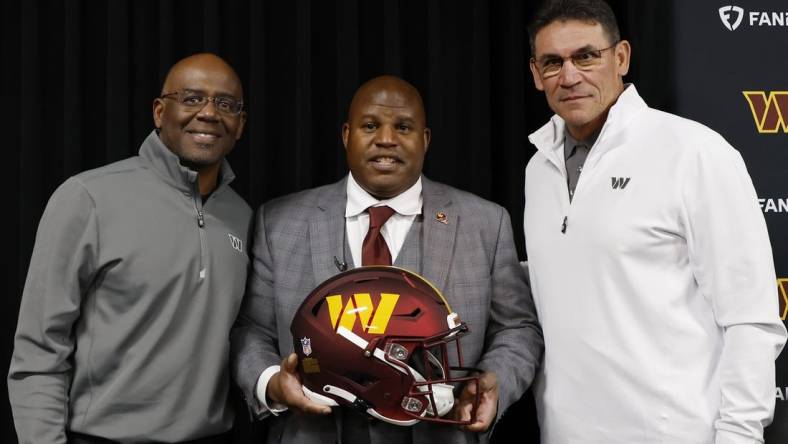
(137, 275)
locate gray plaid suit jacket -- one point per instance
(471, 259)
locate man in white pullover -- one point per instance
(650, 262)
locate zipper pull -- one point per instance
(200, 220)
(563, 225)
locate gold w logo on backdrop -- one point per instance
(782, 285)
(374, 320)
(770, 112)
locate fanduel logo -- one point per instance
(768, 111)
(769, 205)
(725, 15)
(360, 306)
(619, 182)
(731, 17)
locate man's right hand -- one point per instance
(284, 387)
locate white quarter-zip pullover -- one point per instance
(655, 286)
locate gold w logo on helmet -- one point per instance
(374, 320)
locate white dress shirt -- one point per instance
(407, 205)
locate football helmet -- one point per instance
(377, 339)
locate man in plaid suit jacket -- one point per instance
(458, 241)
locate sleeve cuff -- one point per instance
(262, 384)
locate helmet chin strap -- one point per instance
(439, 391)
(442, 393)
(353, 400)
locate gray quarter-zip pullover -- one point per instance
(132, 289)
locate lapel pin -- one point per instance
(441, 217)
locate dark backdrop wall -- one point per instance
(719, 66)
(79, 77)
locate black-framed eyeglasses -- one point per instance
(195, 100)
(551, 66)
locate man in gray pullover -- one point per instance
(135, 280)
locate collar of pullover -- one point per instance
(549, 139)
(169, 168)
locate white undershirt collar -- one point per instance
(407, 203)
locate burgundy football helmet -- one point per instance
(376, 339)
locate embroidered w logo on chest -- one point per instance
(236, 243)
(619, 182)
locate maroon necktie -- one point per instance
(374, 250)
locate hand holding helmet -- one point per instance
(284, 387)
(487, 390)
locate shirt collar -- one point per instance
(570, 142)
(549, 139)
(407, 203)
(168, 166)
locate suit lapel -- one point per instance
(440, 232)
(327, 231)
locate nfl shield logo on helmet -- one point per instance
(306, 346)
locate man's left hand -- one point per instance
(488, 403)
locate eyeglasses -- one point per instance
(550, 66)
(196, 101)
